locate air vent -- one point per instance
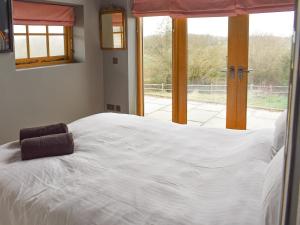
(110, 107)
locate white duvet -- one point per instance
(128, 170)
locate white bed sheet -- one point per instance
(128, 170)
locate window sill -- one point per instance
(41, 67)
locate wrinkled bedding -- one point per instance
(128, 170)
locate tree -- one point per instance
(269, 57)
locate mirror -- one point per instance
(112, 30)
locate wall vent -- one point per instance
(110, 107)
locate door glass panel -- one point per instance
(207, 62)
(269, 58)
(157, 59)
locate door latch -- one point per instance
(241, 71)
(229, 71)
(232, 71)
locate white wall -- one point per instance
(61, 93)
(120, 79)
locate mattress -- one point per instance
(128, 170)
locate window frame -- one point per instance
(121, 32)
(48, 60)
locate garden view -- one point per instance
(269, 61)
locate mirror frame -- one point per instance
(110, 11)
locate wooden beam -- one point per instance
(139, 62)
(180, 59)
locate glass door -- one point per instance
(233, 74)
(270, 42)
(218, 58)
(207, 63)
(157, 67)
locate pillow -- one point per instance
(271, 197)
(279, 133)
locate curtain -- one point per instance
(28, 13)
(117, 19)
(264, 6)
(206, 8)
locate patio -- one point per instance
(207, 114)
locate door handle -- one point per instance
(241, 71)
(230, 70)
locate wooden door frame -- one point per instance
(238, 47)
(237, 86)
(139, 61)
(179, 67)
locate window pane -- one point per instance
(117, 29)
(56, 29)
(38, 46)
(157, 56)
(118, 40)
(270, 44)
(37, 29)
(207, 62)
(57, 45)
(19, 29)
(20, 47)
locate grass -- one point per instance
(269, 102)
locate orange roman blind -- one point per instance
(28, 13)
(206, 8)
(264, 6)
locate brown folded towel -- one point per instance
(47, 146)
(43, 131)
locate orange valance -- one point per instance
(28, 13)
(208, 8)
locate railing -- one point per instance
(214, 89)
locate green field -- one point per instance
(269, 102)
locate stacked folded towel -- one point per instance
(46, 141)
(59, 128)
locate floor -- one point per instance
(207, 114)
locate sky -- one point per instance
(278, 24)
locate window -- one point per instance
(38, 45)
(118, 36)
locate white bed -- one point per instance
(128, 170)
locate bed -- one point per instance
(128, 170)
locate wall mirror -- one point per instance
(113, 29)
